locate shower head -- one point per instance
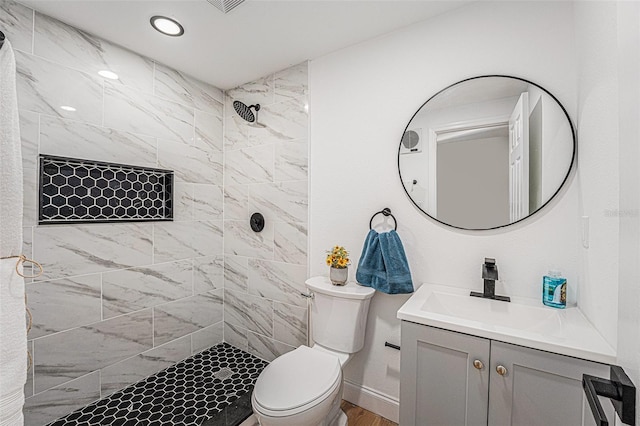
(246, 113)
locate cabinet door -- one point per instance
(540, 388)
(439, 384)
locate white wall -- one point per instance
(597, 127)
(608, 37)
(629, 132)
(362, 98)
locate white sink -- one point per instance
(522, 321)
(486, 311)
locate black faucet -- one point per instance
(490, 275)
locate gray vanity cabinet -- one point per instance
(450, 379)
(540, 388)
(439, 384)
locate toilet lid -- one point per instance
(296, 379)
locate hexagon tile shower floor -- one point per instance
(211, 388)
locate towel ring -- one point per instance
(387, 212)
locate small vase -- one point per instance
(338, 276)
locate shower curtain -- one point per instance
(13, 333)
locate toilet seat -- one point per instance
(296, 382)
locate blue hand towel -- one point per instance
(370, 270)
(383, 264)
(395, 263)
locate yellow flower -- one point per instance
(337, 257)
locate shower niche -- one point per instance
(74, 190)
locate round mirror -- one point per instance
(486, 152)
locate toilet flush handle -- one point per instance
(307, 295)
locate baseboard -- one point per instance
(372, 400)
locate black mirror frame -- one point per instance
(564, 181)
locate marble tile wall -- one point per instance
(266, 171)
(119, 302)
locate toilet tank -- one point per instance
(339, 314)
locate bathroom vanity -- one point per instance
(470, 361)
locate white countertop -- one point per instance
(525, 322)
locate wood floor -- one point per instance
(360, 417)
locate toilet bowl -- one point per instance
(304, 387)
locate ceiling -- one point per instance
(255, 39)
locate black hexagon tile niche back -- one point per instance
(74, 190)
(187, 393)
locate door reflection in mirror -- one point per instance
(492, 151)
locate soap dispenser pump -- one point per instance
(554, 290)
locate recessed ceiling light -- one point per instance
(108, 74)
(67, 108)
(167, 26)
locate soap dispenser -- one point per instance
(554, 290)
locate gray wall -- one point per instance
(266, 171)
(479, 202)
(117, 302)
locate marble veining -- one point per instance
(284, 121)
(208, 274)
(30, 194)
(239, 239)
(251, 165)
(184, 316)
(207, 202)
(206, 337)
(278, 281)
(47, 406)
(290, 324)
(133, 289)
(236, 273)
(176, 86)
(236, 202)
(281, 201)
(191, 163)
(250, 312)
(182, 201)
(67, 138)
(265, 347)
(137, 112)
(182, 240)
(95, 346)
(236, 131)
(209, 129)
(291, 82)
(29, 133)
(27, 250)
(77, 297)
(78, 250)
(259, 91)
(77, 49)
(291, 160)
(45, 86)
(236, 336)
(290, 242)
(134, 369)
(16, 22)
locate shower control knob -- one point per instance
(478, 364)
(256, 222)
(501, 370)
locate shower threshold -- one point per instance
(211, 388)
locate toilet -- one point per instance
(304, 387)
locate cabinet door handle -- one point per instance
(501, 370)
(478, 364)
